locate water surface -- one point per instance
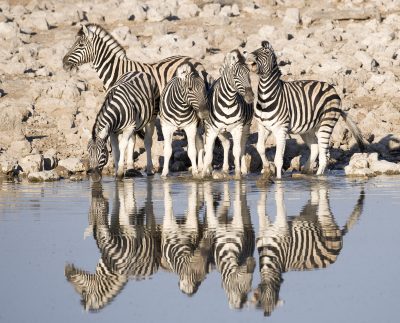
(148, 249)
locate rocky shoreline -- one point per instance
(46, 114)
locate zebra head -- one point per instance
(266, 295)
(98, 155)
(96, 290)
(82, 50)
(238, 75)
(263, 60)
(193, 89)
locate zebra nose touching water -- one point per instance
(308, 108)
(183, 104)
(231, 110)
(128, 108)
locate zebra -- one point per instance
(129, 246)
(231, 110)
(308, 108)
(127, 108)
(308, 241)
(233, 242)
(183, 104)
(184, 250)
(96, 45)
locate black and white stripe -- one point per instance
(233, 242)
(183, 105)
(96, 45)
(311, 240)
(129, 245)
(184, 250)
(231, 110)
(128, 108)
(308, 108)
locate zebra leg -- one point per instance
(200, 149)
(192, 152)
(123, 143)
(210, 141)
(280, 136)
(129, 153)
(262, 137)
(312, 142)
(237, 133)
(148, 143)
(115, 149)
(211, 218)
(245, 135)
(323, 147)
(280, 220)
(225, 146)
(168, 131)
(169, 221)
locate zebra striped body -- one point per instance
(309, 241)
(128, 250)
(128, 107)
(95, 45)
(233, 243)
(184, 251)
(231, 110)
(308, 108)
(183, 105)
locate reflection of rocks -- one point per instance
(364, 164)
(44, 107)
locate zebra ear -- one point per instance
(86, 31)
(183, 71)
(231, 58)
(265, 44)
(103, 133)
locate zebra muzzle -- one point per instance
(249, 95)
(95, 174)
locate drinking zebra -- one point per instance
(308, 108)
(183, 104)
(231, 110)
(233, 242)
(308, 241)
(95, 45)
(184, 250)
(129, 246)
(128, 108)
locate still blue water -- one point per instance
(180, 250)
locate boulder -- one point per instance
(31, 163)
(44, 176)
(72, 164)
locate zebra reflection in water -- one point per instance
(308, 241)
(129, 246)
(233, 242)
(184, 250)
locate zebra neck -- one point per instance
(227, 95)
(110, 60)
(270, 86)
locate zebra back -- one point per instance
(96, 45)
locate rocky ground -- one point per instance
(46, 114)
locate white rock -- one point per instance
(266, 31)
(364, 58)
(210, 10)
(31, 163)
(385, 167)
(188, 10)
(72, 164)
(291, 17)
(44, 176)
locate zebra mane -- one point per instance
(104, 34)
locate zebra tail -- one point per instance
(140, 133)
(355, 215)
(354, 130)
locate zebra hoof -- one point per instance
(150, 173)
(133, 173)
